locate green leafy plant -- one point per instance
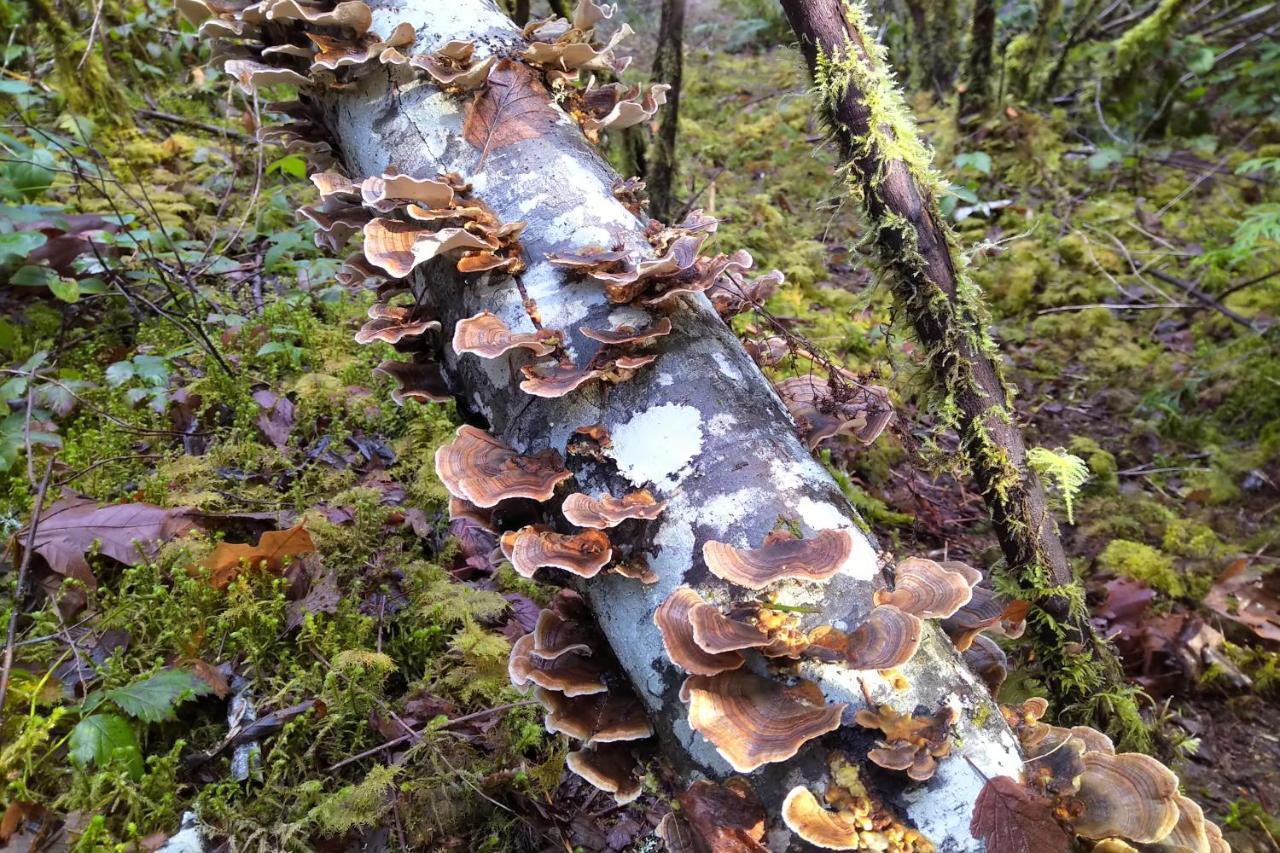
(1065, 472)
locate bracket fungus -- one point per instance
(1129, 795)
(611, 717)
(629, 335)
(416, 380)
(607, 511)
(781, 557)
(252, 75)
(533, 548)
(482, 469)
(354, 15)
(454, 66)
(985, 611)
(732, 294)
(487, 336)
(806, 817)
(988, 662)
(334, 53)
(617, 106)
(910, 743)
(386, 192)
(611, 767)
(927, 589)
(399, 247)
(571, 674)
(673, 620)
(753, 721)
(391, 324)
(559, 631)
(821, 412)
(716, 633)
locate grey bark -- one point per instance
(668, 67)
(701, 427)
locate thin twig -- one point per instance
(20, 591)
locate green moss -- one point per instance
(1102, 465)
(1144, 563)
(1192, 539)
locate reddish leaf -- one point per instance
(513, 106)
(271, 553)
(1011, 818)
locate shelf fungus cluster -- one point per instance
(849, 817)
(1114, 798)
(584, 695)
(823, 409)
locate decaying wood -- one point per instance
(701, 427)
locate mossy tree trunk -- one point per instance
(889, 170)
(1127, 71)
(668, 67)
(976, 97)
(1024, 54)
(701, 427)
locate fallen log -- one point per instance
(700, 427)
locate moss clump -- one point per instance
(1144, 563)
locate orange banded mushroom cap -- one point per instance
(420, 381)
(607, 511)
(556, 381)
(805, 816)
(610, 717)
(487, 336)
(611, 767)
(582, 554)
(555, 635)
(1129, 795)
(673, 620)
(717, 633)
(753, 721)
(629, 335)
(571, 674)
(480, 468)
(926, 589)
(888, 638)
(817, 558)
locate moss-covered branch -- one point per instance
(888, 169)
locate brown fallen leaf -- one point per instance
(276, 420)
(1011, 818)
(127, 533)
(511, 107)
(272, 552)
(1249, 597)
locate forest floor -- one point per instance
(234, 407)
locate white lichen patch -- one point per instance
(562, 303)
(666, 380)
(722, 424)
(820, 515)
(629, 315)
(727, 368)
(657, 446)
(721, 511)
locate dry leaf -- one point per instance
(126, 533)
(1249, 597)
(1011, 818)
(271, 553)
(513, 106)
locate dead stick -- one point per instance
(20, 591)
(1200, 296)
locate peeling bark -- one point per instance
(701, 428)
